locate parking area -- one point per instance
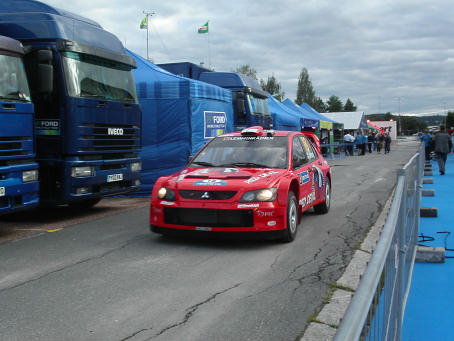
(27, 223)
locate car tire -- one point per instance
(325, 205)
(292, 219)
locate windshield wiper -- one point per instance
(249, 164)
(202, 163)
(16, 95)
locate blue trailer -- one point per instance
(87, 117)
(250, 107)
(19, 184)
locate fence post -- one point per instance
(402, 253)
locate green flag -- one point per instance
(144, 23)
(204, 28)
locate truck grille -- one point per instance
(208, 217)
(107, 137)
(206, 195)
(15, 146)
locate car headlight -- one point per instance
(267, 194)
(136, 167)
(166, 194)
(30, 175)
(82, 171)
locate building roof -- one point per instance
(351, 119)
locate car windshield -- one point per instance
(94, 77)
(244, 151)
(13, 81)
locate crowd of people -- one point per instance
(438, 144)
(367, 143)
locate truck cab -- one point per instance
(19, 184)
(87, 117)
(250, 107)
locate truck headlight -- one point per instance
(30, 175)
(136, 167)
(267, 194)
(82, 171)
(166, 193)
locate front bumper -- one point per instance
(221, 217)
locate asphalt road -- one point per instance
(109, 278)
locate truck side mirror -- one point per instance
(44, 56)
(45, 71)
(45, 78)
(240, 109)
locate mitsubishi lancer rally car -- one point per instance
(255, 180)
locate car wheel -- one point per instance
(292, 219)
(324, 206)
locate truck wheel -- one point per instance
(324, 206)
(292, 219)
(85, 204)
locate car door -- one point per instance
(302, 168)
(317, 166)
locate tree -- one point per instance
(349, 106)
(319, 105)
(273, 87)
(247, 70)
(450, 120)
(334, 104)
(305, 91)
(388, 116)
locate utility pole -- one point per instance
(148, 14)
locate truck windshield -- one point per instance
(94, 77)
(244, 152)
(258, 105)
(13, 81)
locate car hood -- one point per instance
(226, 177)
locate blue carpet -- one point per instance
(429, 312)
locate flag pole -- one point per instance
(209, 47)
(148, 14)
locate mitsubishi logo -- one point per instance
(205, 195)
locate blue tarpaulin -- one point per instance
(283, 117)
(309, 119)
(307, 107)
(179, 115)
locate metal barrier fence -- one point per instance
(377, 308)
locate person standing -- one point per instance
(443, 145)
(358, 142)
(380, 141)
(348, 144)
(387, 143)
(370, 140)
(426, 139)
(364, 140)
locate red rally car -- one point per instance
(255, 180)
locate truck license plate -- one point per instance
(2, 191)
(114, 177)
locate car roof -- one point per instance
(266, 133)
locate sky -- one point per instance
(385, 55)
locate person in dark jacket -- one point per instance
(387, 143)
(443, 145)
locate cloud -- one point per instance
(369, 51)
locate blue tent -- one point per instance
(309, 119)
(179, 115)
(307, 107)
(283, 118)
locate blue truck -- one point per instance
(19, 184)
(87, 117)
(250, 107)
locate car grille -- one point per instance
(208, 217)
(206, 195)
